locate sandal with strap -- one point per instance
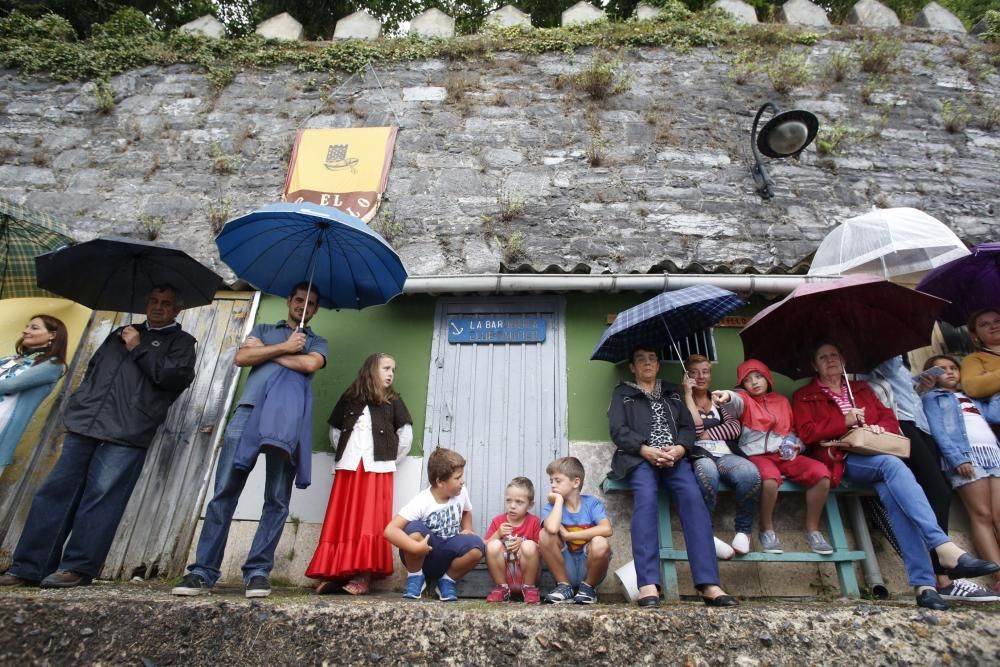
(358, 585)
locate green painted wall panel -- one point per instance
(402, 328)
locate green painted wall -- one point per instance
(590, 382)
(402, 328)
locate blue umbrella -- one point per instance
(665, 319)
(280, 245)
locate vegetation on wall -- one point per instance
(319, 17)
(128, 40)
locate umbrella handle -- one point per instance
(312, 272)
(673, 343)
(850, 393)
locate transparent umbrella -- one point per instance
(888, 242)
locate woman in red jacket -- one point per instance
(824, 411)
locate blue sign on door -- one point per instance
(505, 329)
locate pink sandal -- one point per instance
(358, 585)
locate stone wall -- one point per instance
(506, 161)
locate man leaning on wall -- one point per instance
(132, 380)
(272, 351)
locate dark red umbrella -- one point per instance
(868, 318)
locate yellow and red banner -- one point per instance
(345, 168)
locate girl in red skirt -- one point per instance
(371, 429)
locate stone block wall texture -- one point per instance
(653, 178)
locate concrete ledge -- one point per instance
(133, 623)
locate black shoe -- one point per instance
(13, 581)
(192, 584)
(970, 567)
(649, 601)
(259, 586)
(65, 579)
(721, 601)
(930, 599)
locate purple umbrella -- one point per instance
(970, 283)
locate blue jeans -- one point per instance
(83, 498)
(229, 483)
(910, 515)
(696, 523)
(739, 473)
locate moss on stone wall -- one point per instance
(45, 46)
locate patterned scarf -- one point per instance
(661, 432)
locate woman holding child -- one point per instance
(824, 411)
(371, 430)
(653, 433)
(712, 459)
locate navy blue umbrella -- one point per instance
(665, 319)
(280, 245)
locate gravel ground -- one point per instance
(141, 623)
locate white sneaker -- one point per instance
(741, 544)
(722, 550)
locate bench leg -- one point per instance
(668, 574)
(838, 538)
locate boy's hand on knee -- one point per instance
(423, 547)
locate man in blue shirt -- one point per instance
(267, 348)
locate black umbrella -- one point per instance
(112, 273)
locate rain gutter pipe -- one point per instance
(869, 566)
(514, 283)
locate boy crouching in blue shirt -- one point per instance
(434, 530)
(575, 532)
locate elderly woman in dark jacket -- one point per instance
(652, 431)
(824, 411)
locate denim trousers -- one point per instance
(229, 483)
(739, 473)
(910, 515)
(925, 464)
(696, 522)
(83, 498)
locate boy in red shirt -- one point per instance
(512, 545)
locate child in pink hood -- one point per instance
(768, 439)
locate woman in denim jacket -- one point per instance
(960, 424)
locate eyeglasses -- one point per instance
(700, 374)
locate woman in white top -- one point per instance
(371, 430)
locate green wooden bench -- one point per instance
(842, 556)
